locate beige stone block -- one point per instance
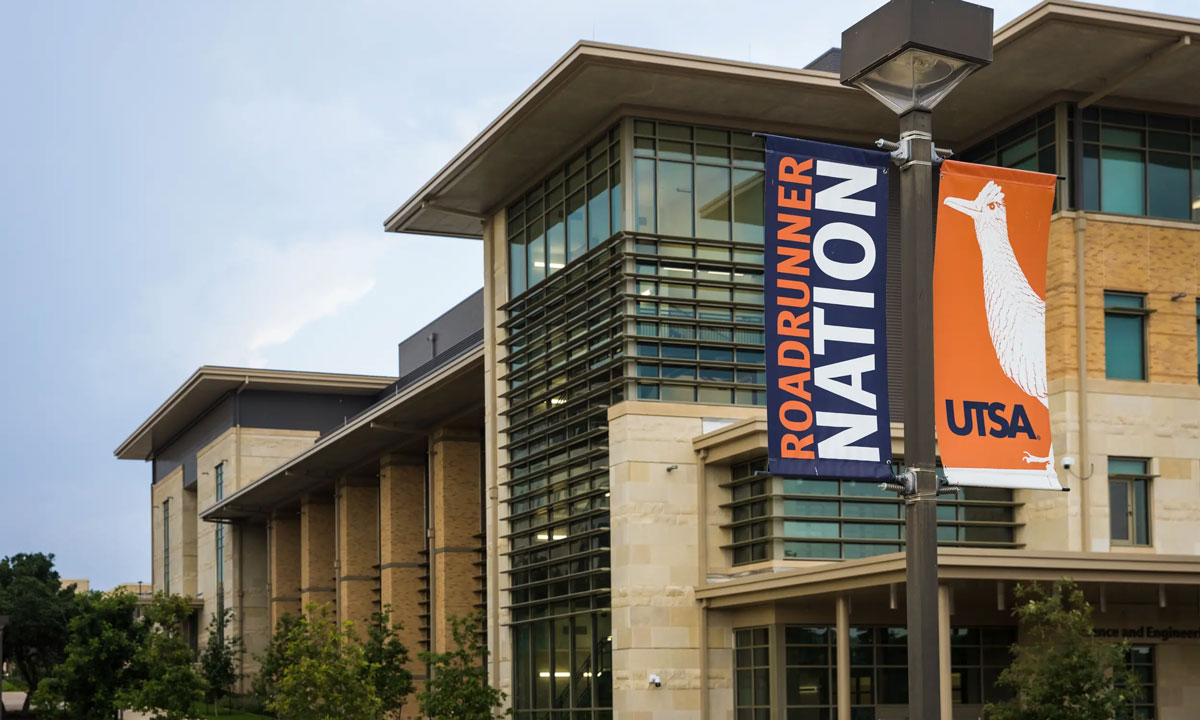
(318, 583)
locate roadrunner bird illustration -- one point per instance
(1016, 316)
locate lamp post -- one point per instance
(909, 54)
(3, 622)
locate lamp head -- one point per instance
(909, 54)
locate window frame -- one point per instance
(1130, 481)
(1142, 312)
(166, 511)
(1095, 120)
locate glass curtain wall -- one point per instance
(563, 370)
(575, 209)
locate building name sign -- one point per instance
(1149, 632)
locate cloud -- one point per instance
(263, 294)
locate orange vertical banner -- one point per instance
(989, 324)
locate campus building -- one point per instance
(584, 459)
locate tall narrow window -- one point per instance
(166, 506)
(1129, 501)
(1125, 336)
(752, 673)
(1141, 661)
(219, 483)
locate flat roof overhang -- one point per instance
(1057, 50)
(953, 564)
(210, 383)
(451, 394)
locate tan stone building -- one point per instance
(585, 463)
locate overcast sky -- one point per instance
(204, 183)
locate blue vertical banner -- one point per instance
(826, 323)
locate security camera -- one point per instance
(656, 681)
(1068, 462)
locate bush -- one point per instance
(323, 673)
(457, 687)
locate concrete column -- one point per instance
(403, 570)
(357, 549)
(250, 599)
(454, 465)
(317, 583)
(843, 658)
(947, 704)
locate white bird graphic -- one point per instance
(1016, 316)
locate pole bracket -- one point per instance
(901, 152)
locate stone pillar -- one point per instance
(317, 583)
(358, 549)
(946, 699)
(455, 491)
(403, 570)
(284, 541)
(250, 598)
(842, 613)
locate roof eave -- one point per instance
(357, 384)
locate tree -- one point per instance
(216, 660)
(457, 687)
(168, 686)
(1061, 671)
(388, 658)
(104, 638)
(324, 674)
(39, 611)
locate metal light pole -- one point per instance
(3, 622)
(909, 54)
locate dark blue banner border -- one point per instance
(825, 310)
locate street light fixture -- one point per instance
(909, 54)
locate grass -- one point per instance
(13, 685)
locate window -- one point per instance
(698, 182)
(879, 668)
(1137, 163)
(703, 300)
(1141, 661)
(166, 510)
(810, 674)
(562, 664)
(1129, 501)
(219, 483)
(572, 211)
(1028, 145)
(752, 674)
(1125, 336)
(833, 519)
(1198, 333)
